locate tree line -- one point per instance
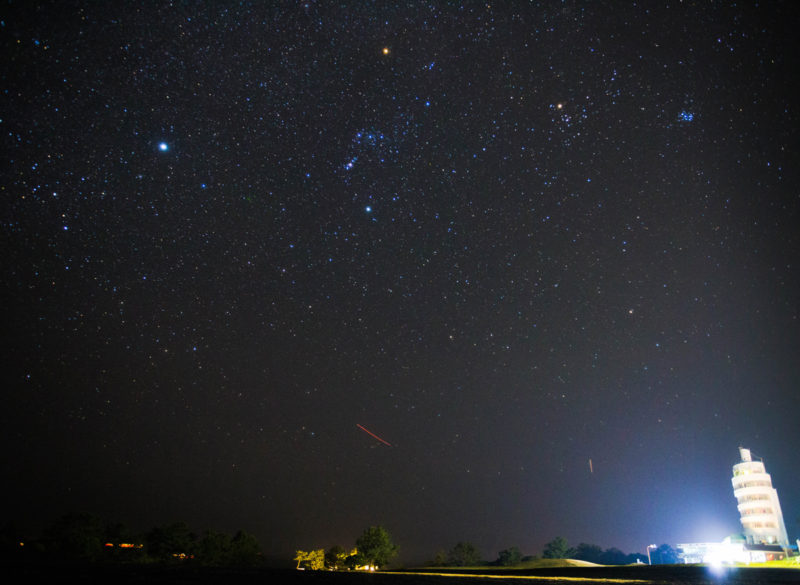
(465, 554)
(373, 549)
(88, 538)
(559, 549)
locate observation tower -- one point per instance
(760, 511)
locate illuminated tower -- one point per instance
(762, 520)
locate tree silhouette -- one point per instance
(589, 552)
(509, 557)
(213, 549)
(464, 554)
(665, 555)
(313, 560)
(170, 541)
(336, 557)
(375, 546)
(75, 536)
(613, 556)
(440, 560)
(245, 550)
(557, 549)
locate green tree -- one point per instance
(464, 554)
(316, 559)
(613, 556)
(313, 560)
(300, 556)
(335, 557)
(375, 546)
(440, 560)
(245, 550)
(589, 552)
(352, 560)
(557, 549)
(509, 557)
(213, 549)
(665, 555)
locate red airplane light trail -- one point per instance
(371, 434)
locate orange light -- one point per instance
(386, 50)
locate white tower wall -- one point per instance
(759, 508)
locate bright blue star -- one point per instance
(163, 146)
(368, 209)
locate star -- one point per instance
(564, 239)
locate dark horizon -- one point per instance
(547, 255)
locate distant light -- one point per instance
(386, 50)
(163, 146)
(368, 209)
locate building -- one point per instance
(763, 535)
(759, 509)
(729, 551)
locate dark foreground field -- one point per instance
(634, 575)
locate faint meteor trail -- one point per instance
(371, 434)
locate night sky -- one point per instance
(506, 239)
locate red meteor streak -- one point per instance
(371, 434)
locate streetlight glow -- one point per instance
(649, 546)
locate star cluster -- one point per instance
(506, 238)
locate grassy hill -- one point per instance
(525, 565)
